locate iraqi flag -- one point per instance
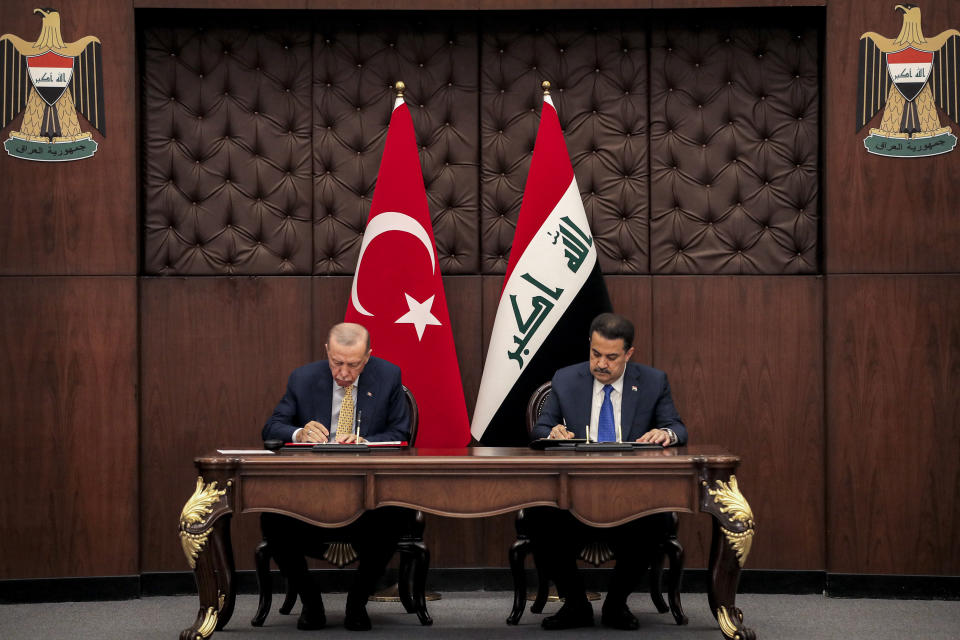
(553, 289)
(50, 74)
(909, 69)
(398, 295)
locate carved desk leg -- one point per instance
(205, 536)
(733, 528)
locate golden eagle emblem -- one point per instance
(50, 81)
(912, 75)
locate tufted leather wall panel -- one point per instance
(734, 142)
(597, 65)
(358, 59)
(226, 168)
(263, 159)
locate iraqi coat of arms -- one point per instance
(911, 75)
(49, 81)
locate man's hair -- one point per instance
(349, 334)
(613, 327)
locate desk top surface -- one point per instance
(477, 456)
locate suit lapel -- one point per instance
(325, 398)
(367, 391)
(630, 401)
(584, 390)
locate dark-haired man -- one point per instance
(351, 397)
(607, 398)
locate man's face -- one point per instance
(346, 363)
(607, 358)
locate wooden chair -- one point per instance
(595, 553)
(414, 558)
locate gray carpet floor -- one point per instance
(481, 615)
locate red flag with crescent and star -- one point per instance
(398, 294)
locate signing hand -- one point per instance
(313, 431)
(349, 438)
(658, 436)
(560, 432)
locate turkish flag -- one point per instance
(398, 295)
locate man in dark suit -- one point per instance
(349, 398)
(607, 398)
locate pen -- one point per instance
(357, 432)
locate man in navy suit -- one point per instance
(607, 398)
(351, 397)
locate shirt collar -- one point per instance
(616, 384)
(355, 385)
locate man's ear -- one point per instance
(629, 353)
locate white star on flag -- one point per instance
(419, 315)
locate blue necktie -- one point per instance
(606, 429)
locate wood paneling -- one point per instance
(76, 217)
(216, 354)
(330, 297)
(631, 297)
(893, 408)
(744, 358)
(882, 214)
(68, 466)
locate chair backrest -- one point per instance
(535, 405)
(414, 414)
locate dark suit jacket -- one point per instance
(648, 407)
(381, 405)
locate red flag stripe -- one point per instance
(552, 171)
(910, 56)
(50, 60)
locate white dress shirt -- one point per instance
(616, 398)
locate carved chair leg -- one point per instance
(405, 585)
(675, 553)
(543, 584)
(656, 580)
(261, 560)
(420, 567)
(518, 555)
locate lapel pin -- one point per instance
(369, 394)
(633, 387)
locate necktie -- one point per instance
(606, 429)
(345, 423)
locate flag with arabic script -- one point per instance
(553, 289)
(397, 291)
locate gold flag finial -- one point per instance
(399, 86)
(546, 87)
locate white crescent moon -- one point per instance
(382, 223)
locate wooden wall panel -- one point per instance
(882, 214)
(631, 297)
(744, 358)
(216, 354)
(76, 217)
(893, 447)
(68, 465)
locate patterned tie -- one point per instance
(345, 423)
(606, 430)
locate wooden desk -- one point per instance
(334, 489)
